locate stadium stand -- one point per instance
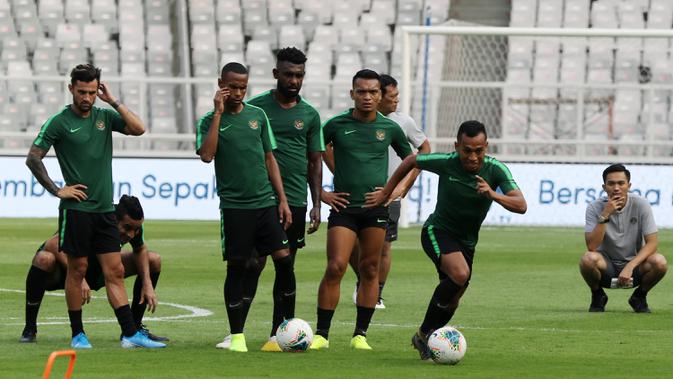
(169, 43)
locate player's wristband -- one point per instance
(115, 104)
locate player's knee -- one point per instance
(155, 262)
(44, 261)
(659, 263)
(368, 270)
(460, 277)
(589, 260)
(335, 270)
(114, 272)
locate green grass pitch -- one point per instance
(524, 314)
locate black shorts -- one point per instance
(296, 233)
(394, 210)
(83, 234)
(357, 219)
(56, 279)
(436, 242)
(612, 271)
(247, 233)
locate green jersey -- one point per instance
(240, 163)
(83, 148)
(460, 210)
(361, 153)
(298, 132)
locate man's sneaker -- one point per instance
(143, 329)
(140, 340)
(319, 342)
(238, 343)
(225, 344)
(639, 304)
(598, 301)
(28, 336)
(419, 343)
(360, 342)
(271, 345)
(379, 304)
(80, 341)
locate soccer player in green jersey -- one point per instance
(82, 137)
(47, 272)
(358, 141)
(239, 138)
(468, 180)
(296, 126)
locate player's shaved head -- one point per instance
(234, 67)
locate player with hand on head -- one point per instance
(357, 153)
(253, 217)
(296, 127)
(468, 180)
(48, 270)
(621, 238)
(82, 137)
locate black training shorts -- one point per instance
(83, 234)
(244, 231)
(357, 219)
(296, 233)
(394, 210)
(436, 242)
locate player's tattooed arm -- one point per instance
(34, 163)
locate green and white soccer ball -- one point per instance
(447, 345)
(294, 335)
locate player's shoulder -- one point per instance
(493, 162)
(338, 118)
(383, 120)
(206, 117)
(307, 107)
(260, 99)
(638, 200)
(436, 156)
(402, 119)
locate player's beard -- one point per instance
(288, 92)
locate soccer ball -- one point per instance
(294, 335)
(447, 345)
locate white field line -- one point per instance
(193, 312)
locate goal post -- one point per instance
(544, 94)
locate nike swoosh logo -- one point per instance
(347, 132)
(74, 130)
(284, 242)
(225, 128)
(379, 220)
(452, 179)
(300, 240)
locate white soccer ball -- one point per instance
(294, 335)
(447, 345)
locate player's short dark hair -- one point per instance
(386, 80)
(471, 129)
(290, 54)
(84, 73)
(617, 167)
(234, 67)
(366, 74)
(129, 205)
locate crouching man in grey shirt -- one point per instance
(621, 239)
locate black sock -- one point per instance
(598, 291)
(35, 282)
(125, 319)
(76, 322)
(438, 313)
(364, 317)
(233, 297)
(250, 282)
(638, 292)
(381, 285)
(324, 322)
(284, 292)
(138, 310)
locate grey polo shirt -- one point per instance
(414, 134)
(625, 233)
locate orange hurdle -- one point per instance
(52, 358)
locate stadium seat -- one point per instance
(230, 38)
(94, 34)
(281, 12)
(324, 13)
(345, 18)
(317, 95)
(326, 35)
(71, 57)
(228, 12)
(267, 33)
(157, 12)
(259, 53)
(254, 18)
(385, 11)
(378, 38)
(308, 21)
(50, 13)
(549, 14)
(292, 35)
(201, 11)
(520, 53)
(105, 13)
(347, 64)
(66, 34)
(232, 57)
(351, 40)
(77, 12)
(340, 97)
